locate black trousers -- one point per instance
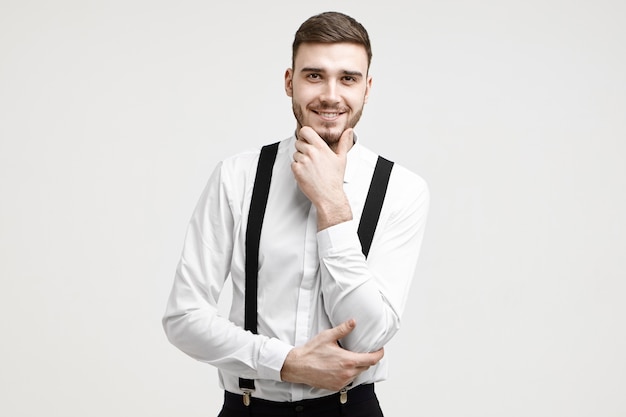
(362, 402)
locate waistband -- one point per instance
(355, 395)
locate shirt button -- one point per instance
(299, 408)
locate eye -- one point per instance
(314, 76)
(348, 79)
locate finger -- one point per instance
(370, 359)
(342, 330)
(378, 355)
(345, 142)
(301, 145)
(308, 135)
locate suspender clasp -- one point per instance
(343, 396)
(247, 395)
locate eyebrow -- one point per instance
(345, 72)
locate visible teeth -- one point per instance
(329, 114)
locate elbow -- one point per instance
(372, 334)
(172, 326)
(167, 324)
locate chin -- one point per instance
(330, 136)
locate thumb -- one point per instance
(345, 142)
(343, 329)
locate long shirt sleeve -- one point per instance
(374, 291)
(191, 321)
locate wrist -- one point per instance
(333, 212)
(287, 372)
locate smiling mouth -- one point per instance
(328, 115)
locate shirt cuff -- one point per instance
(337, 237)
(271, 359)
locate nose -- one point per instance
(330, 94)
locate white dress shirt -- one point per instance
(308, 281)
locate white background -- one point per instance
(114, 113)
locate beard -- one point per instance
(328, 130)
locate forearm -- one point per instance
(212, 339)
(371, 291)
(192, 323)
(351, 291)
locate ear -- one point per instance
(368, 88)
(289, 82)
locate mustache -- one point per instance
(327, 107)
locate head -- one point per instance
(329, 80)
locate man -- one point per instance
(325, 310)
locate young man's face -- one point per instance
(328, 86)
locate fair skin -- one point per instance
(329, 85)
(322, 363)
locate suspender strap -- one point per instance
(374, 203)
(260, 192)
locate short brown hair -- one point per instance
(331, 27)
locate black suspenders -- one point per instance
(260, 192)
(374, 203)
